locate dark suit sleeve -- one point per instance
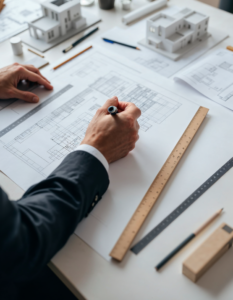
(34, 228)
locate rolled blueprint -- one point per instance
(142, 11)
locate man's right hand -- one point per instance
(114, 136)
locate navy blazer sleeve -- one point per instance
(34, 228)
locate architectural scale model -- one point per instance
(59, 16)
(174, 35)
(61, 20)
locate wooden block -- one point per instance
(208, 253)
(2, 5)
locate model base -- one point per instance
(178, 54)
(42, 46)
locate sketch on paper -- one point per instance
(155, 107)
(213, 77)
(64, 138)
(15, 16)
(207, 76)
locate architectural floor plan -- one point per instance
(15, 15)
(213, 77)
(39, 136)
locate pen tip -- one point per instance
(138, 48)
(222, 209)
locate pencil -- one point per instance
(188, 239)
(66, 61)
(35, 53)
(230, 48)
(80, 40)
(122, 44)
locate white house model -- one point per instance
(59, 17)
(173, 35)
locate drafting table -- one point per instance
(91, 277)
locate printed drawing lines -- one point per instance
(226, 66)
(210, 76)
(155, 64)
(63, 137)
(154, 106)
(86, 69)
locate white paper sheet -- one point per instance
(213, 77)
(150, 59)
(15, 15)
(31, 149)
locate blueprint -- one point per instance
(213, 77)
(41, 135)
(152, 60)
(15, 15)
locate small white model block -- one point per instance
(174, 35)
(59, 17)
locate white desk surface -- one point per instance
(85, 272)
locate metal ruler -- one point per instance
(125, 240)
(35, 110)
(182, 207)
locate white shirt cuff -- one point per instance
(93, 151)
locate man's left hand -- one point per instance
(11, 75)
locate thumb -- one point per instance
(26, 96)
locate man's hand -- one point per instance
(114, 136)
(10, 76)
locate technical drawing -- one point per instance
(208, 74)
(155, 64)
(226, 93)
(5, 103)
(155, 107)
(15, 15)
(226, 66)
(64, 139)
(174, 35)
(87, 68)
(63, 129)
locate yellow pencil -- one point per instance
(72, 58)
(230, 48)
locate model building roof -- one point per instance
(45, 23)
(195, 18)
(59, 6)
(164, 20)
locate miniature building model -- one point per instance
(59, 16)
(170, 33)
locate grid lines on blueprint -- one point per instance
(154, 106)
(207, 75)
(64, 138)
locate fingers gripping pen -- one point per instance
(113, 110)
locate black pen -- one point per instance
(113, 110)
(188, 239)
(80, 40)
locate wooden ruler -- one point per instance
(125, 240)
